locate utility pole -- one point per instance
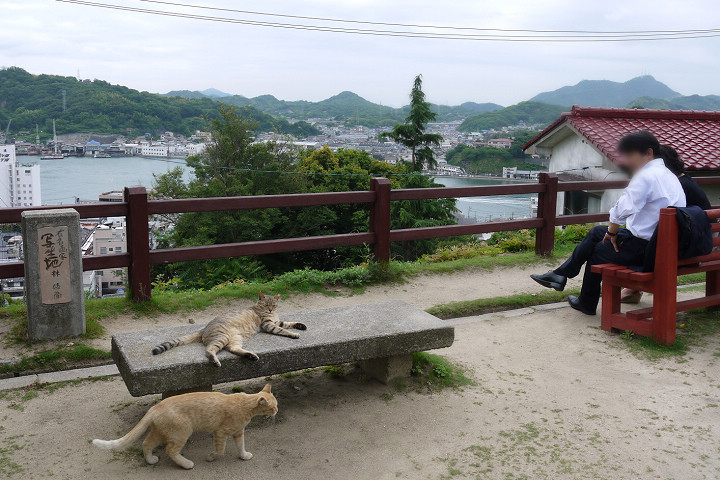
(64, 93)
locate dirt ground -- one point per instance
(555, 398)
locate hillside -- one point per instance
(101, 107)
(691, 102)
(530, 113)
(605, 93)
(346, 107)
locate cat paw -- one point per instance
(246, 456)
(300, 326)
(189, 465)
(252, 357)
(212, 457)
(294, 335)
(151, 459)
(216, 363)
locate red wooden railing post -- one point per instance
(380, 219)
(547, 210)
(138, 243)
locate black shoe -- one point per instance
(551, 280)
(575, 303)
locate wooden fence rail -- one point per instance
(137, 208)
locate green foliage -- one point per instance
(691, 102)
(572, 234)
(101, 107)
(531, 113)
(223, 171)
(463, 250)
(412, 133)
(514, 241)
(480, 160)
(335, 371)
(437, 372)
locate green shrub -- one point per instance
(572, 234)
(514, 241)
(461, 251)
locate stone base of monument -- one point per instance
(381, 336)
(53, 273)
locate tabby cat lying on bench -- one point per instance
(229, 332)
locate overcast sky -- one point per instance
(158, 54)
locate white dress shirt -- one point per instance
(650, 189)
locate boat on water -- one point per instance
(102, 155)
(53, 156)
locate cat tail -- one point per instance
(131, 437)
(165, 346)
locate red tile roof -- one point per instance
(695, 135)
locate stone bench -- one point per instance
(381, 336)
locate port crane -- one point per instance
(7, 130)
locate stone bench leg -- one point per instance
(388, 369)
(172, 393)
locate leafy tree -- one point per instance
(487, 159)
(229, 167)
(412, 134)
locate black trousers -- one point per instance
(592, 251)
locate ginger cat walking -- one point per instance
(229, 332)
(173, 420)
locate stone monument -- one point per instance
(53, 273)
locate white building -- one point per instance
(154, 151)
(19, 184)
(195, 148)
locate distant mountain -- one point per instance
(691, 102)
(605, 93)
(529, 112)
(351, 108)
(101, 107)
(184, 94)
(214, 93)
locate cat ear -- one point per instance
(267, 388)
(261, 296)
(262, 401)
(277, 297)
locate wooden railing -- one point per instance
(137, 208)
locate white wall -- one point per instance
(19, 184)
(7, 162)
(572, 154)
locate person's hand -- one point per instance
(613, 240)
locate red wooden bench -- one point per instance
(658, 321)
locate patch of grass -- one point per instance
(467, 308)
(335, 371)
(437, 372)
(56, 359)
(694, 329)
(387, 397)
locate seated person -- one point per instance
(694, 195)
(651, 188)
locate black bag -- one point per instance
(694, 237)
(694, 232)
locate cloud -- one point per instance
(159, 54)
